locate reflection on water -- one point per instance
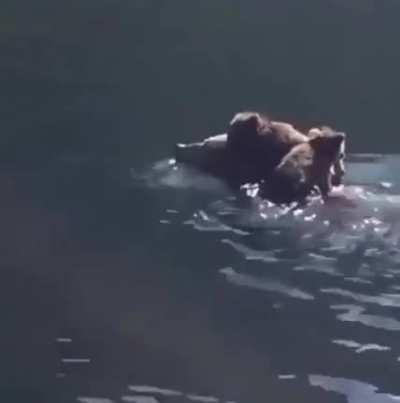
(152, 394)
(263, 284)
(93, 400)
(329, 256)
(355, 391)
(360, 348)
(251, 254)
(139, 399)
(111, 279)
(154, 389)
(384, 300)
(150, 289)
(355, 313)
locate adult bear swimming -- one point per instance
(251, 149)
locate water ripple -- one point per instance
(201, 221)
(355, 314)
(355, 391)
(360, 348)
(263, 284)
(392, 300)
(252, 254)
(154, 389)
(94, 400)
(139, 399)
(345, 251)
(203, 399)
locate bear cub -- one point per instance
(306, 167)
(338, 169)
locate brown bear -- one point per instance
(264, 131)
(256, 145)
(252, 147)
(306, 166)
(338, 169)
(264, 142)
(250, 150)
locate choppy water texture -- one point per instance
(330, 271)
(159, 285)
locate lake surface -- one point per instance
(123, 279)
(156, 284)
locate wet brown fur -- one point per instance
(306, 166)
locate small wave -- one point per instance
(166, 173)
(360, 348)
(63, 340)
(251, 254)
(202, 221)
(391, 300)
(329, 270)
(202, 399)
(318, 263)
(355, 391)
(353, 212)
(155, 390)
(336, 262)
(286, 377)
(139, 399)
(75, 360)
(356, 313)
(263, 284)
(358, 280)
(147, 394)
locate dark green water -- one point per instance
(118, 272)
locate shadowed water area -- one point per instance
(124, 278)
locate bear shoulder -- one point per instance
(306, 166)
(287, 133)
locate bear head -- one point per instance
(244, 130)
(328, 144)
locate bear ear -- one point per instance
(264, 117)
(320, 130)
(327, 129)
(251, 122)
(314, 132)
(242, 117)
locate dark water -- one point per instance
(123, 279)
(158, 284)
